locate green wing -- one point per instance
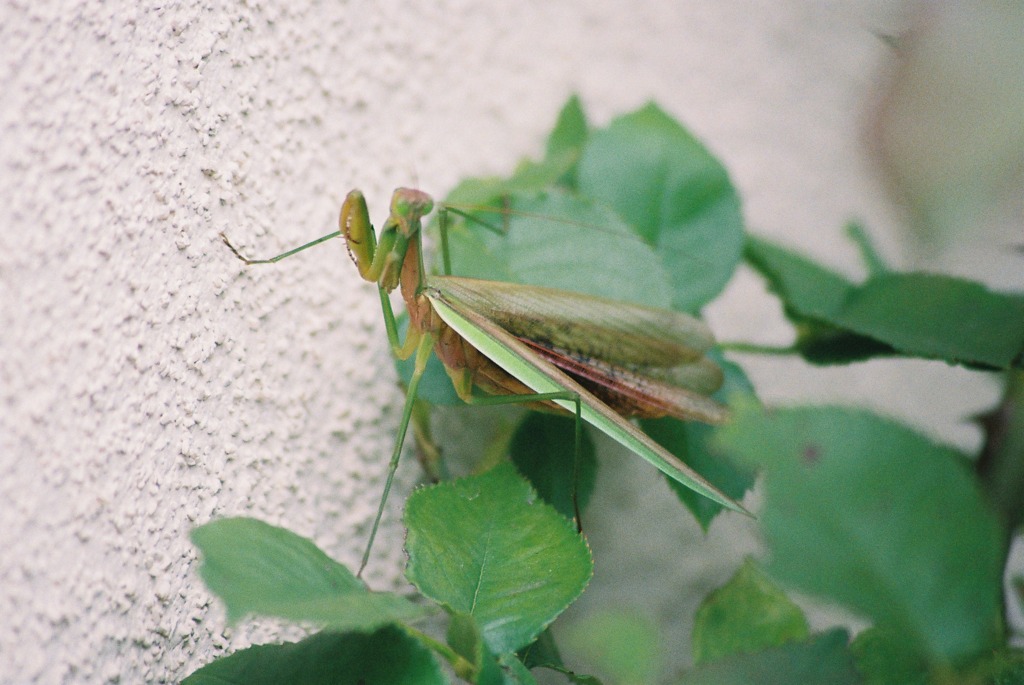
(616, 332)
(505, 350)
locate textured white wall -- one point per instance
(149, 382)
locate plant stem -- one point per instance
(754, 348)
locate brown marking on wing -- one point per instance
(629, 392)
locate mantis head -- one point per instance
(380, 257)
(408, 206)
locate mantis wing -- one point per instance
(616, 332)
(515, 357)
(635, 393)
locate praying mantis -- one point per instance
(601, 360)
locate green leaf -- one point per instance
(558, 240)
(464, 637)
(883, 657)
(693, 443)
(485, 196)
(533, 177)
(644, 168)
(543, 653)
(386, 657)
(811, 295)
(622, 645)
(666, 184)
(824, 345)
(915, 314)
(809, 291)
(747, 614)
(570, 132)
(1002, 667)
(568, 137)
(260, 569)
(514, 671)
(880, 519)
(822, 660)
(941, 317)
(543, 448)
(556, 169)
(485, 546)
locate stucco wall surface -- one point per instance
(149, 381)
